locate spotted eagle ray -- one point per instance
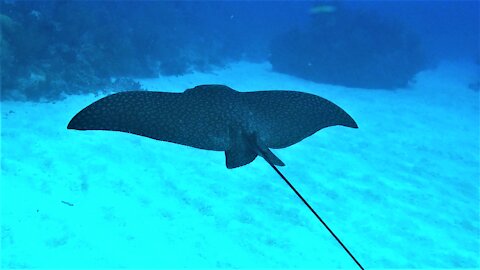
(216, 117)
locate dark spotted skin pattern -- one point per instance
(211, 116)
(283, 118)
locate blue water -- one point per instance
(401, 191)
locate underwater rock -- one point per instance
(475, 86)
(351, 49)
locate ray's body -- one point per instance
(215, 117)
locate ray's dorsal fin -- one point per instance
(244, 148)
(266, 153)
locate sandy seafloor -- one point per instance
(400, 191)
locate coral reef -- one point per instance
(53, 48)
(350, 48)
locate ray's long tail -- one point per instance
(312, 210)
